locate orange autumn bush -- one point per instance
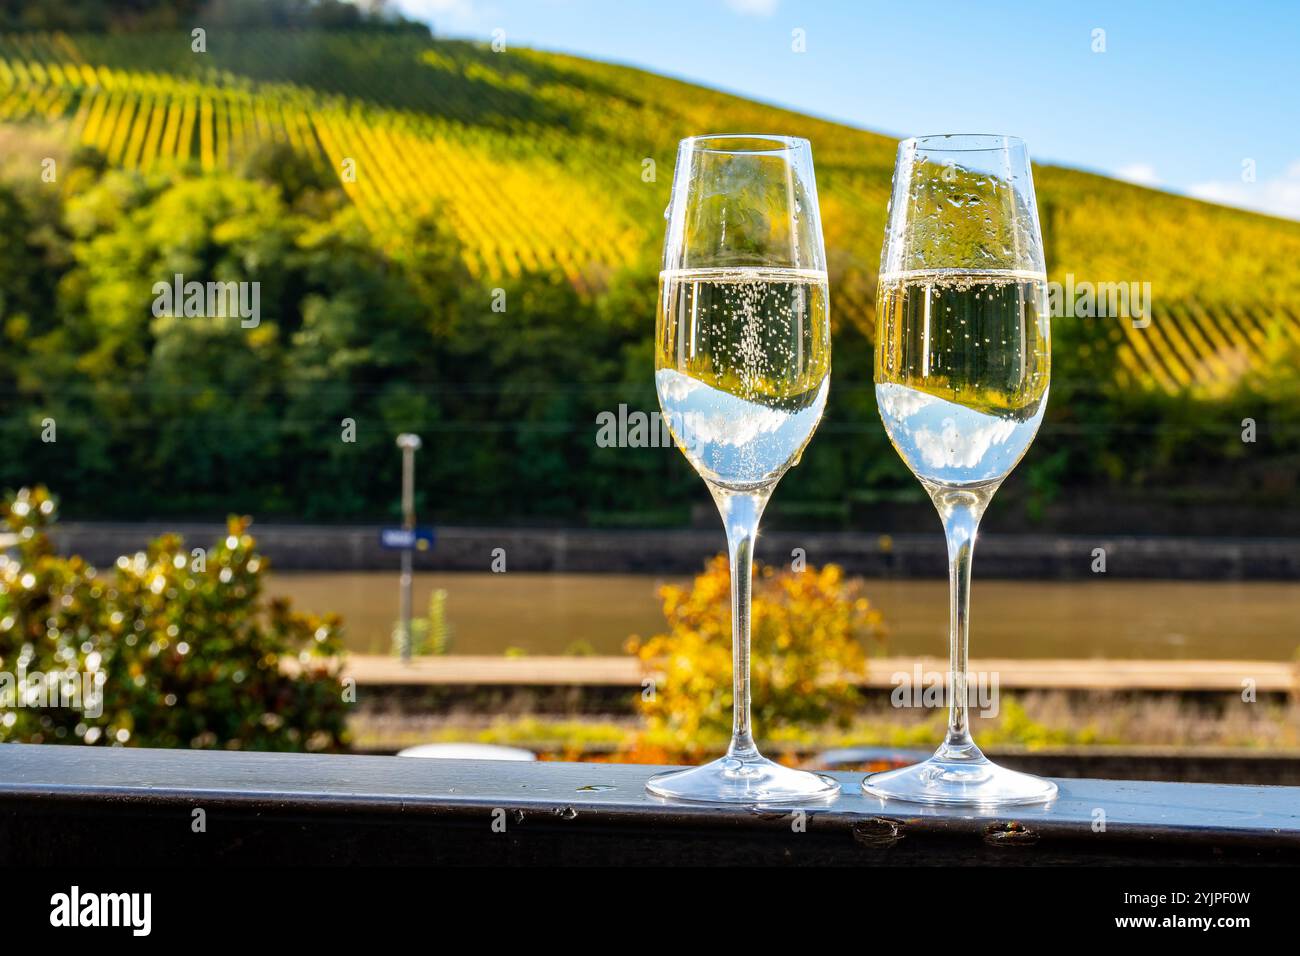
(810, 632)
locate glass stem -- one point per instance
(961, 512)
(740, 515)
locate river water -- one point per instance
(563, 613)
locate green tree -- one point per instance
(171, 648)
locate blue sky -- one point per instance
(1185, 97)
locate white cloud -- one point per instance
(950, 437)
(753, 8)
(1143, 174)
(1278, 195)
(444, 14)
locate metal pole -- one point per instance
(409, 444)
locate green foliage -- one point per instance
(206, 413)
(186, 650)
(302, 180)
(522, 174)
(431, 634)
(203, 413)
(1017, 728)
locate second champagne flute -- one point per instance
(962, 364)
(742, 369)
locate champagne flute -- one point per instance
(962, 365)
(742, 369)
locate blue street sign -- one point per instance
(400, 539)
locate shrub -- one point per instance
(186, 650)
(809, 634)
(429, 635)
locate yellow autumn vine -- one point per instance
(810, 633)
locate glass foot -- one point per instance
(970, 780)
(743, 780)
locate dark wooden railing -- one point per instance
(127, 806)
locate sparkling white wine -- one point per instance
(962, 369)
(742, 368)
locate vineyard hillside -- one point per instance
(540, 161)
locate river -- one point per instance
(561, 613)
